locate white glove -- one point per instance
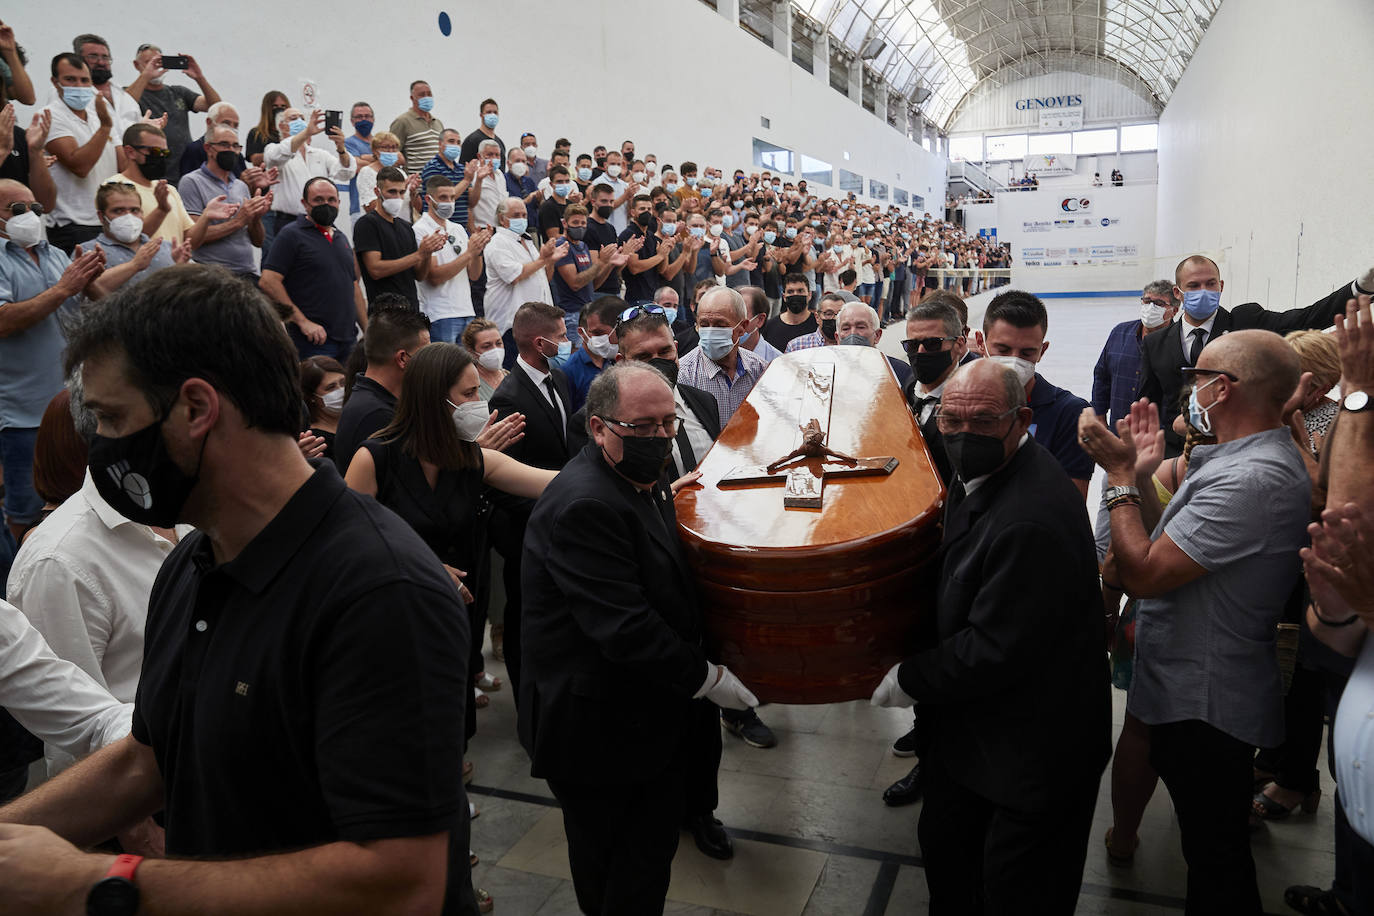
(890, 692)
(724, 689)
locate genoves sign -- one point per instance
(1050, 101)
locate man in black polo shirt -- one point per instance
(299, 718)
(600, 233)
(388, 256)
(393, 337)
(652, 265)
(310, 269)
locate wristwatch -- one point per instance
(1112, 493)
(1356, 401)
(115, 894)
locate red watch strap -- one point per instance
(124, 867)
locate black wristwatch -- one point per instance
(115, 894)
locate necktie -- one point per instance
(1199, 336)
(921, 404)
(684, 445)
(557, 408)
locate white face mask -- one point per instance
(613, 171)
(126, 228)
(532, 152)
(333, 398)
(1152, 314)
(638, 177)
(601, 345)
(26, 229)
(491, 359)
(1024, 368)
(393, 206)
(519, 169)
(469, 417)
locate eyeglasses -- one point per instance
(979, 424)
(31, 206)
(154, 152)
(644, 430)
(1145, 300)
(1191, 372)
(635, 311)
(929, 344)
(233, 147)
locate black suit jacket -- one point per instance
(1013, 681)
(611, 630)
(545, 444)
(702, 404)
(1162, 356)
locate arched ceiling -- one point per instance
(937, 51)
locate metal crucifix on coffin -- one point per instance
(812, 462)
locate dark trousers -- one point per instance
(701, 759)
(1294, 762)
(1209, 777)
(69, 236)
(508, 538)
(1354, 884)
(621, 840)
(981, 858)
(478, 288)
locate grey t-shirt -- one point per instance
(234, 251)
(176, 102)
(1206, 650)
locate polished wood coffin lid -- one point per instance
(807, 605)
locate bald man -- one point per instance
(1013, 745)
(1212, 572)
(1198, 285)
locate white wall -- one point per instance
(611, 76)
(1264, 150)
(992, 109)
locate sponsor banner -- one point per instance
(1058, 119)
(1049, 165)
(1076, 204)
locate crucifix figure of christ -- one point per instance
(812, 461)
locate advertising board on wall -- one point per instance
(1049, 165)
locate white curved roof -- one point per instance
(937, 51)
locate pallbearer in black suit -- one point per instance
(1199, 286)
(613, 660)
(537, 388)
(1012, 682)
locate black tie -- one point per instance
(922, 402)
(557, 411)
(1199, 338)
(689, 458)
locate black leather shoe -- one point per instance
(905, 790)
(710, 836)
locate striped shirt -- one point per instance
(435, 166)
(696, 370)
(419, 138)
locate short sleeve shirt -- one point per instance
(419, 138)
(318, 274)
(234, 251)
(564, 296)
(176, 102)
(288, 706)
(394, 240)
(176, 223)
(640, 287)
(599, 235)
(1206, 650)
(31, 360)
(117, 254)
(75, 194)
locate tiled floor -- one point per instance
(812, 834)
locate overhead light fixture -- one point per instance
(874, 47)
(922, 93)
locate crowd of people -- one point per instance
(291, 430)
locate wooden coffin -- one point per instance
(813, 605)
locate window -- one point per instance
(1009, 146)
(967, 148)
(774, 158)
(877, 189)
(803, 50)
(1090, 142)
(1050, 143)
(899, 197)
(816, 171)
(918, 203)
(849, 181)
(839, 70)
(756, 18)
(870, 96)
(1136, 137)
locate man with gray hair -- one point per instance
(220, 114)
(719, 366)
(614, 662)
(95, 51)
(517, 271)
(488, 187)
(857, 326)
(1012, 747)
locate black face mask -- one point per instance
(324, 214)
(660, 207)
(796, 304)
(668, 367)
(100, 75)
(644, 458)
(828, 327)
(604, 212)
(138, 478)
(972, 455)
(153, 169)
(601, 163)
(576, 233)
(646, 221)
(226, 159)
(929, 366)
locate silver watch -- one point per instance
(1112, 493)
(1356, 401)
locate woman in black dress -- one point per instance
(322, 389)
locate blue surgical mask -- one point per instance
(452, 151)
(562, 190)
(670, 312)
(490, 120)
(727, 220)
(1201, 303)
(739, 205)
(705, 192)
(717, 343)
(564, 352)
(584, 174)
(691, 182)
(295, 125)
(1197, 414)
(698, 232)
(79, 97)
(426, 103)
(791, 232)
(388, 159)
(670, 229)
(671, 187)
(519, 225)
(815, 222)
(769, 236)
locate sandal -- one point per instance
(1262, 778)
(468, 770)
(487, 682)
(1313, 900)
(1116, 858)
(480, 699)
(1265, 808)
(484, 902)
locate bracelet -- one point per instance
(1119, 501)
(1316, 612)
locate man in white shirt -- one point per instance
(299, 162)
(445, 293)
(95, 51)
(624, 191)
(517, 271)
(488, 187)
(80, 138)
